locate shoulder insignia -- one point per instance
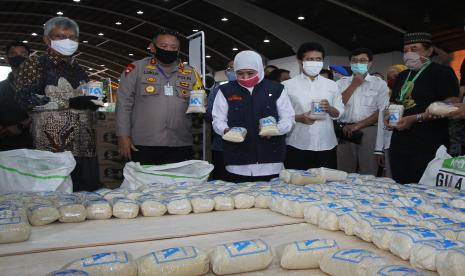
(129, 69)
(151, 79)
(184, 84)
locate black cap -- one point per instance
(419, 37)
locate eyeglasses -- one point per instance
(362, 60)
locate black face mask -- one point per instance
(16, 61)
(166, 57)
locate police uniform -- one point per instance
(151, 109)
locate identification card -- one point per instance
(169, 91)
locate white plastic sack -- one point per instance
(137, 175)
(25, 170)
(445, 171)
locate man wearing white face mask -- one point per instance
(417, 135)
(363, 96)
(62, 119)
(312, 142)
(242, 103)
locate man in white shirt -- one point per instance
(242, 103)
(312, 142)
(363, 96)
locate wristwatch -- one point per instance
(420, 118)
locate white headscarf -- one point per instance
(249, 60)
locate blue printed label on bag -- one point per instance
(396, 270)
(316, 244)
(105, 259)
(10, 220)
(248, 247)
(354, 255)
(174, 254)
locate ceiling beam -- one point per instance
(291, 33)
(367, 15)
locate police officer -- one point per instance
(153, 96)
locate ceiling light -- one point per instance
(90, 69)
(2, 58)
(25, 41)
(103, 65)
(34, 34)
(266, 40)
(224, 19)
(140, 12)
(208, 56)
(185, 62)
(235, 49)
(77, 0)
(100, 34)
(195, 30)
(118, 23)
(300, 18)
(60, 13)
(85, 41)
(131, 54)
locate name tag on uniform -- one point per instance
(169, 91)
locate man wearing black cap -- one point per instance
(417, 135)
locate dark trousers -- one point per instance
(236, 178)
(147, 155)
(409, 167)
(307, 159)
(219, 172)
(85, 175)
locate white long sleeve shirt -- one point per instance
(368, 98)
(285, 122)
(320, 135)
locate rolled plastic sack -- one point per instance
(151, 207)
(202, 204)
(307, 177)
(240, 257)
(268, 127)
(333, 175)
(14, 228)
(424, 254)
(176, 261)
(125, 208)
(197, 102)
(403, 241)
(450, 262)
(70, 213)
(306, 254)
(98, 209)
(352, 262)
(441, 108)
(107, 264)
(235, 135)
(42, 214)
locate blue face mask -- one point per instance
(231, 75)
(359, 68)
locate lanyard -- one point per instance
(167, 77)
(408, 85)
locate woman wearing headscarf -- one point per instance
(242, 103)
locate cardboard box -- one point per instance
(109, 155)
(111, 173)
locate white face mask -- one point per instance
(65, 47)
(413, 60)
(312, 68)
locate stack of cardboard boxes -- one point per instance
(110, 162)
